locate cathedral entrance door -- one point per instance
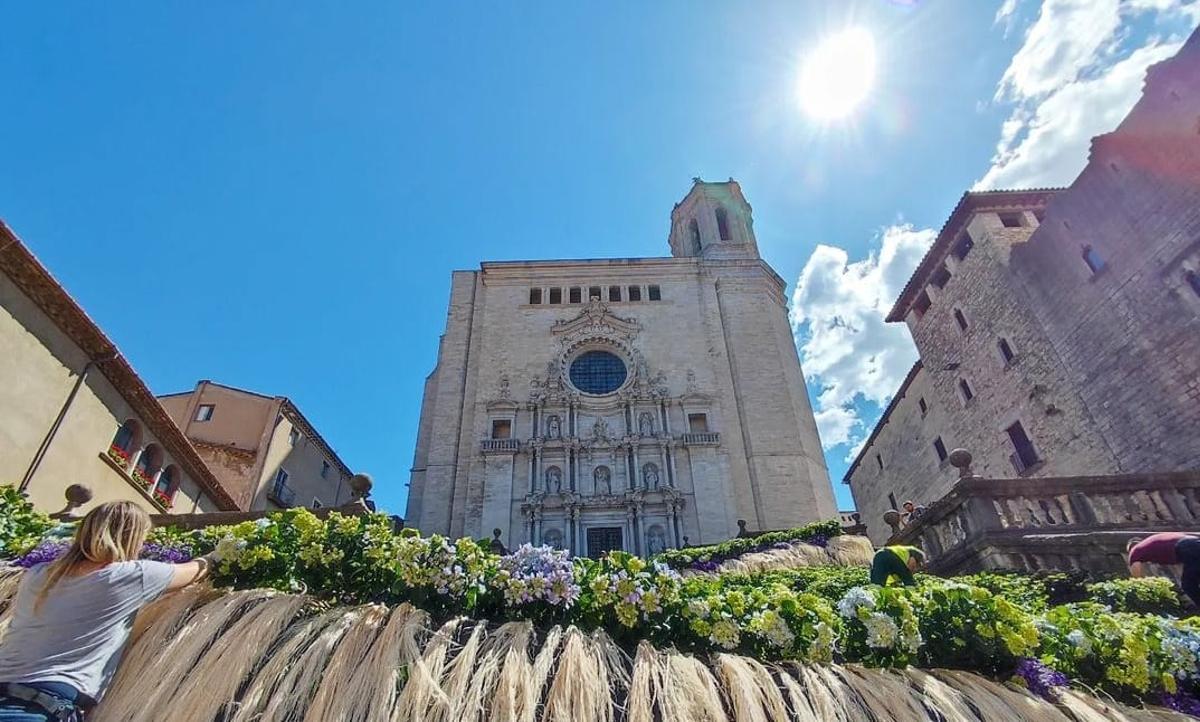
(602, 539)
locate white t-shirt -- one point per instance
(79, 633)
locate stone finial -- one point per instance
(360, 485)
(892, 518)
(961, 459)
(497, 546)
(742, 529)
(686, 543)
(77, 495)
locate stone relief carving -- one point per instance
(503, 393)
(645, 424)
(692, 387)
(650, 476)
(603, 478)
(553, 427)
(554, 480)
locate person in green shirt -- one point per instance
(896, 562)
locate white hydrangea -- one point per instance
(229, 549)
(821, 649)
(911, 641)
(775, 628)
(882, 632)
(725, 634)
(1080, 641)
(698, 609)
(854, 599)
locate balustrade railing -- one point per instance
(710, 438)
(499, 445)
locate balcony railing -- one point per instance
(706, 438)
(499, 446)
(283, 495)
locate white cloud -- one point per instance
(1067, 37)
(1004, 15)
(847, 349)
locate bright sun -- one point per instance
(838, 75)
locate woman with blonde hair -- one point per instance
(72, 617)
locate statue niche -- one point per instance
(645, 424)
(650, 476)
(554, 480)
(656, 540)
(603, 480)
(553, 428)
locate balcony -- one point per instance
(499, 446)
(283, 495)
(705, 438)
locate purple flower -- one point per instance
(170, 553)
(46, 551)
(709, 566)
(1041, 680)
(819, 540)
(1182, 702)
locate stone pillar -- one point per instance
(673, 517)
(664, 418)
(630, 534)
(671, 478)
(637, 480)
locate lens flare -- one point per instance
(838, 75)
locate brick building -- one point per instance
(1058, 330)
(622, 403)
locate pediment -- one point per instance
(596, 317)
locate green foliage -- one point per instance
(1152, 595)
(21, 526)
(681, 558)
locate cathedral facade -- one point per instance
(635, 404)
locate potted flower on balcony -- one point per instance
(164, 500)
(119, 455)
(140, 477)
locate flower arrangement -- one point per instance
(164, 499)
(810, 614)
(139, 475)
(119, 455)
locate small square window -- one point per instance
(501, 429)
(941, 276)
(963, 247)
(204, 412)
(964, 388)
(324, 469)
(922, 304)
(1024, 455)
(635, 293)
(924, 406)
(655, 293)
(556, 295)
(1006, 351)
(960, 319)
(698, 423)
(535, 296)
(1012, 220)
(614, 293)
(892, 500)
(293, 436)
(576, 294)
(595, 292)
(940, 449)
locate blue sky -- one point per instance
(272, 195)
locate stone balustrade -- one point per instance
(1078, 522)
(499, 446)
(710, 438)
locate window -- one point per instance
(576, 294)
(1012, 220)
(879, 460)
(941, 276)
(964, 388)
(501, 429)
(204, 412)
(317, 503)
(892, 500)
(1024, 455)
(614, 293)
(127, 438)
(940, 449)
(1193, 280)
(963, 247)
(694, 232)
(922, 304)
(148, 464)
(597, 372)
(1006, 351)
(556, 295)
(1093, 259)
(635, 293)
(324, 469)
(594, 292)
(535, 296)
(280, 492)
(924, 406)
(293, 436)
(168, 483)
(960, 319)
(698, 423)
(655, 293)
(723, 224)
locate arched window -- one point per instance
(148, 465)
(168, 484)
(124, 442)
(694, 233)
(723, 224)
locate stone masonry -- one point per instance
(707, 419)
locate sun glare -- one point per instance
(837, 76)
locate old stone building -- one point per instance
(73, 411)
(622, 403)
(261, 448)
(1058, 330)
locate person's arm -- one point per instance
(189, 573)
(1137, 569)
(905, 574)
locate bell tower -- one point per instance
(713, 221)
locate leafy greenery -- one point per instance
(1152, 595)
(21, 526)
(680, 558)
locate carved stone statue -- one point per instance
(553, 538)
(691, 382)
(650, 476)
(646, 424)
(656, 540)
(603, 478)
(554, 480)
(553, 428)
(600, 430)
(503, 392)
